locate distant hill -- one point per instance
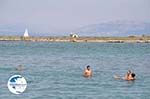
(116, 28)
(119, 28)
(34, 30)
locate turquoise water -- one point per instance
(54, 70)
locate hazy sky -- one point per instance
(71, 14)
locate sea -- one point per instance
(54, 70)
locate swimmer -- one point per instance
(19, 68)
(129, 76)
(87, 72)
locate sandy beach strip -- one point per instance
(138, 39)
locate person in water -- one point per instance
(19, 68)
(87, 72)
(129, 76)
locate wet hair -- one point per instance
(133, 75)
(88, 66)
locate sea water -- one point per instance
(53, 70)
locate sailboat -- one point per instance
(26, 33)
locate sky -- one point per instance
(67, 15)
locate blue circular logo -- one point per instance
(17, 84)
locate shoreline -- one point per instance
(130, 39)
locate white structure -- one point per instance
(26, 33)
(74, 35)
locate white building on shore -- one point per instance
(74, 35)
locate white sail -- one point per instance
(26, 33)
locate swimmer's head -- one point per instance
(19, 68)
(133, 75)
(88, 67)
